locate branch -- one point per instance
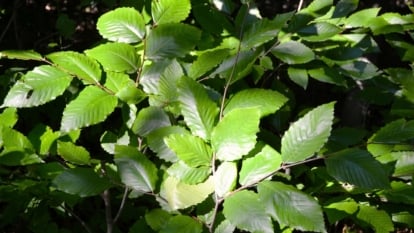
(121, 207)
(83, 223)
(106, 196)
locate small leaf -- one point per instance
(199, 111)
(319, 6)
(357, 167)
(21, 55)
(8, 118)
(72, 153)
(379, 219)
(135, 169)
(293, 52)
(189, 175)
(225, 227)
(122, 25)
(118, 57)
(225, 178)
(150, 119)
(39, 86)
(190, 149)
(182, 224)
(267, 101)
(91, 107)
(339, 210)
(307, 135)
(299, 76)
(291, 207)
(235, 135)
(77, 64)
(320, 31)
(82, 182)
(240, 208)
(260, 166)
(180, 195)
(170, 11)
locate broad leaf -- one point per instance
(77, 64)
(180, 195)
(21, 55)
(39, 86)
(225, 178)
(378, 219)
(235, 135)
(82, 182)
(362, 18)
(319, 6)
(189, 175)
(405, 163)
(357, 167)
(150, 119)
(91, 107)
(260, 166)
(157, 218)
(299, 76)
(136, 171)
(291, 207)
(118, 57)
(344, 7)
(267, 101)
(307, 135)
(293, 52)
(339, 210)
(394, 132)
(122, 25)
(207, 61)
(360, 70)
(199, 111)
(171, 40)
(182, 224)
(319, 31)
(190, 149)
(327, 75)
(244, 210)
(72, 153)
(8, 118)
(260, 32)
(156, 142)
(170, 11)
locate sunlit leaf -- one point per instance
(299, 76)
(207, 61)
(21, 55)
(8, 117)
(378, 219)
(225, 178)
(293, 52)
(170, 11)
(157, 218)
(189, 175)
(73, 153)
(150, 119)
(319, 31)
(182, 224)
(157, 144)
(190, 149)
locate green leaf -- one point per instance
(77, 64)
(261, 32)
(207, 61)
(405, 163)
(293, 52)
(320, 31)
(8, 118)
(47, 140)
(72, 153)
(291, 207)
(225, 178)
(267, 101)
(150, 119)
(404, 78)
(360, 70)
(298, 76)
(318, 6)
(307, 135)
(379, 219)
(357, 167)
(190, 149)
(136, 171)
(19, 158)
(225, 227)
(39, 86)
(235, 135)
(21, 55)
(170, 11)
(182, 224)
(344, 7)
(122, 25)
(339, 210)
(156, 142)
(82, 182)
(394, 132)
(260, 166)
(171, 40)
(189, 175)
(124, 88)
(240, 208)
(362, 18)
(180, 195)
(199, 111)
(157, 218)
(91, 107)
(327, 75)
(118, 57)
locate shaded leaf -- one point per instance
(190, 149)
(327, 75)
(360, 70)
(156, 141)
(170, 11)
(182, 224)
(157, 218)
(339, 210)
(225, 227)
(207, 61)
(319, 31)
(150, 119)
(394, 132)
(299, 76)
(72, 153)
(344, 7)
(225, 178)
(293, 52)
(261, 32)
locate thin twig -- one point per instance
(11, 20)
(121, 207)
(106, 196)
(83, 223)
(300, 5)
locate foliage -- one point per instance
(252, 124)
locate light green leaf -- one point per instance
(157, 218)
(47, 140)
(156, 142)
(21, 55)
(72, 153)
(8, 117)
(207, 61)
(118, 57)
(190, 149)
(199, 111)
(307, 135)
(225, 178)
(362, 18)
(77, 64)
(91, 107)
(291, 207)
(379, 219)
(339, 210)
(327, 75)
(261, 32)
(320, 31)
(405, 163)
(189, 175)
(170, 11)
(235, 135)
(124, 88)
(293, 52)
(299, 76)
(260, 166)
(357, 167)
(244, 210)
(394, 132)
(225, 227)
(182, 224)
(171, 40)
(136, 171)
(267, 101)
(318, 6)
(122, 25)
(14, 140)
(39, 86)
(150, 119)
(180, 195)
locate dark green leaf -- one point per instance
(344, 7)
(299, 76)
(319, 31)
(360, 70)
(182, 224)
(207, 61)
(404, 78)
(72, 153)
(157, 218)
(150, 119)
(339, 210)
(190, 149)
(394, 132)
(293, 52)
(260, 32)
(327, 75)
(170, 11)
(156, 141)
